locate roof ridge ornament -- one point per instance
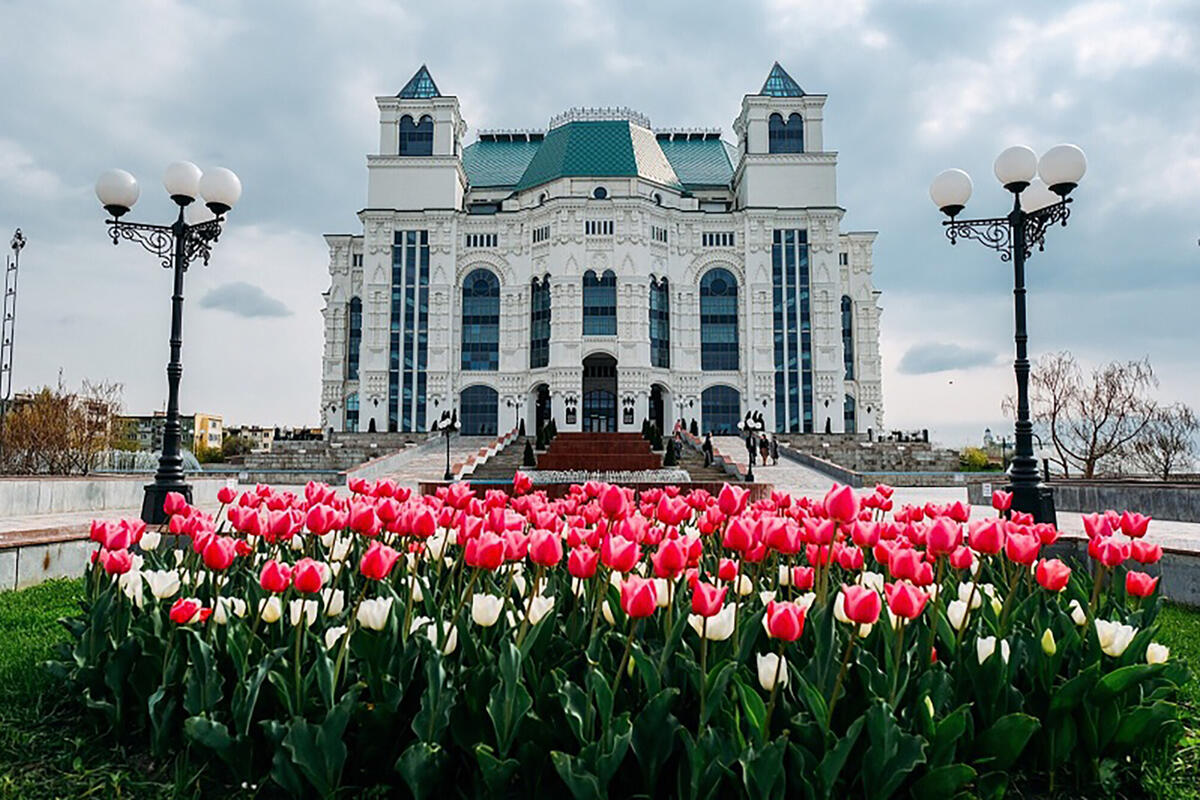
(780, 84)
(617, 113)
(420, 86)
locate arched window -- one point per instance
(480, 405)
(718, 320)
(481, 321)
(600, 304)
(350, 423)
(785, 137)
(849, 414)
(848, 336)
(416, 139)
(539, 323)
(353, 338)
(660, 323)
(720, 409)
(599, 193)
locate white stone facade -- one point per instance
(543, 230)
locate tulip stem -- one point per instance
(1099, 580)
(841, 676)
(931, 637)
(624, 657)
(601, 588)
(766, 729)
(537, 579)
(1012, 590)
(896, 661)
(350, 623)
(967, 614)
(703, 671)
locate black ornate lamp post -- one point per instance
(447, 424)
(176, 245)
(1036, 206)
(751, 426)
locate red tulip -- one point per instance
(850, 558)
(1097, 525)
(860, 604)
(545, 548)
(883, 490)
(905, 563)
(363, 518)
(1134, 525)
(275, 577)
(638, 597)
(785, 620)
(943, 537)
(619, 554)
(308, 576)
(959, 511)
(582, 562)
(738, 535)
(1145, 553)
(707, 599)
(727, 569)
(1109, 552)
(841, 504)
(865, 534)
(219, 552)
(1001, 500)
(485, 551)
(1052, 574)
(115, 562)
(379, 559)
(1139, 584)
(187, 609)
(1022, 548)
(802, 578)
(175, 503)
(732, 500)
(226, 495)
(905, 600)
(613, 502)
(522, 483)
(986, 536)
(962, 558)
(670, 559)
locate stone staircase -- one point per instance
(503, 465)
(859, 454)
(324, 460)
(600, 452)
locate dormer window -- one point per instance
(599, 193)
(416, 138)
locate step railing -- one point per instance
(480, 457)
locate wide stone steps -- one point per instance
(628, 452)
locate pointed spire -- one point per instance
(780, 84)
(421, 86)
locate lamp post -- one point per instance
(1036, 206)
(12, 265)
(446, 425)
(751, 426)
(176, 246)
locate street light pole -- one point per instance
(447, 425)
(176, 245)
(1036, 206)
(9, 329)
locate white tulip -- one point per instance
(327, 539)
(414, 586)
(150, 540)
(296, 542)
(975, 565)
(373, 613)
(771, 665)
(132, 586)
(743, 585)
(518, 579)
(305, 610)
(178, 557)
(975, 597)
(806, 600)
(334, 601)
(270, 609)
(986, 645)
(485, 609)
(785, 575)
(1114, 637)
(719, 627)
(662, 592)
(865, 630)
(872, 580)
(448, 633)
(1078, 615)
(539, 606)
(341, 548)
(956, 613)
(766, 597)
(1157, 653)
(227, 607)
(607, 612)
(578, 587)
(839, 609)
(332, 635)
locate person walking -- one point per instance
(764, 449)
(774, 450)
(708, 449)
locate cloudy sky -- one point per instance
(283, 94)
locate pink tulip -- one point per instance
(175, 503)
(1022, 548)
(1002, 500)
(378, 561)
(545, 548)
(707, 599)
(619, 554)
(582, 562)
(1139, 584)
(220, 552)
(275, 577)
(840, 504)
(485, 551)
(638, 597)
(785, 620)
(308, 576)
(861, 605)
(1134, 525)
(613, 502)
(1052, 575)
(732, 500)
(905, 600)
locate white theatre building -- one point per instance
(602, 271)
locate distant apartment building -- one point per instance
(260, 437)
(145, 431)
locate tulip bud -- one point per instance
(270, 609)
(1048, 645)
(150, 541)
(1157, 653)
(335, 601)
(956, 613)
(373, 613)
(1078, 615)
(929, 706)
(332, 635)
(485, 609)
(772, 667)
(1114, 637)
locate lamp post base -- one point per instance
(1036, 499)
(156, 495)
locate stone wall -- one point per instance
(1171, 501)
(52, 495)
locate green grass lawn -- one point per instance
(48, 751)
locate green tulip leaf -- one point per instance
(943, 781)
(582, 784)
(497, 773)
(1123, 678)
(421, 766)
(1000, 745)
(762, 770)
(892, 753)
(654, 732)
(835, 759)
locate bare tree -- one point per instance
(1168, 443)
(1094, 418)
(60, 432)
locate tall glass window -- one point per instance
(353, 338)
(408, 334)
(351, 421)
(792, 332)
(718, 320)
(848, 336)
(481, 321)
(600, 303)
(720, 409)
(416, 138)
(479, 406)
(785, 136)
(539, 323)
(849, 414)
(660, 323)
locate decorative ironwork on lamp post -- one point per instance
(1037, 205)
(176, 245)
(446, 425)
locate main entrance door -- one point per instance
(600, 393)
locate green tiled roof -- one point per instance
(497, 163)
(780, 84)
(598, 148)
(699, 162)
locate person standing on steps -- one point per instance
(764, 449)
(708, 449)
(774, 450)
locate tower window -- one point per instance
(416, 138)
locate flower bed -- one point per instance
(610, 643)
